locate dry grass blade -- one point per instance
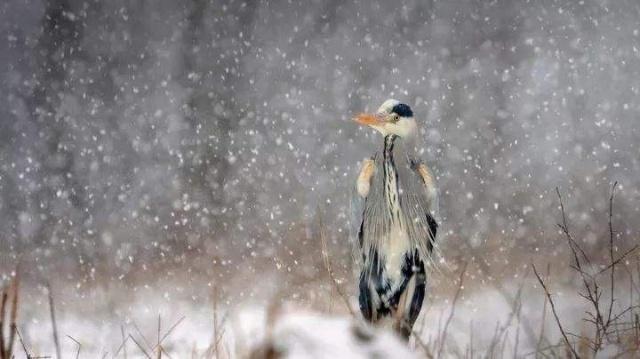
(555, 314)
(168, 332)
(140, 347)
(144, 339)
(9, 303)
(122, 344)
(218, 331)
(518, 317)
(453, 309)
(502, 330)
(422, 345)
(327, 263)
(215, 323)
(78, 344)
(541, 336)
(24, 346)
(161, 349)
(3, 307)
(213, 346)
(509, 298)
(471, 352)
(54, 326)
(158, 337)
(14, 312)
(172, 328)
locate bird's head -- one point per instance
(392, 117)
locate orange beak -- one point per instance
(368, 119)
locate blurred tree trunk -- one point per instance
(213, 74)
(58, 199)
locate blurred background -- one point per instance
(195, 141)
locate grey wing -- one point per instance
(357, 214)
(355, 229)
(420, 205)
(357, 209)
(423, 175)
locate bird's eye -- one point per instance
(394, 117)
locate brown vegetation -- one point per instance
(610, 325)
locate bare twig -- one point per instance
(328, 266)
(593, 291)
(544, 314)
(612, 261)
(617, 261)
(555, 314)
(550, 347)
(565, 228)
(453, 309)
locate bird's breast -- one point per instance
(396, 243)
(395, 246)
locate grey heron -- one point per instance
(394, 222)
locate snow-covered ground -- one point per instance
(297, 332)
